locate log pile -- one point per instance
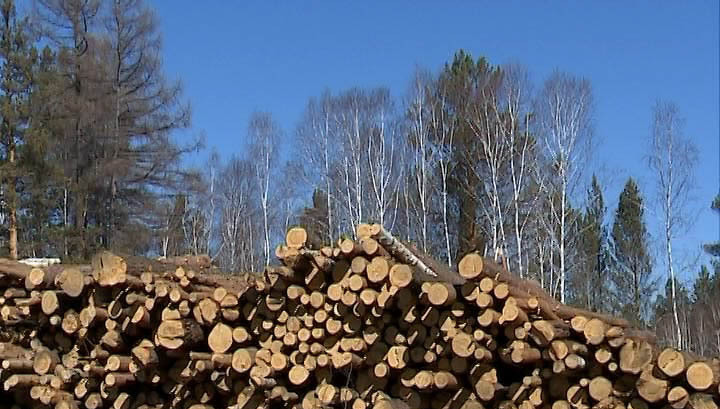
(367, 323)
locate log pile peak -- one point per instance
(366, 323)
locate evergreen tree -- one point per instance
(663, 303)
(315, 219)
(590, 282)
(704, 286)
(42, 217)
(632, 269)
(714, 248)
(470, 85)
(18, 58)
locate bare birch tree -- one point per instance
(318, 150)
(565, 119)
(238, 215)
(514, 121)
(673, 158)
(381, 154)
(350, 120)
(264, 135)
(490, 164)
(421, 150)
(443, 129)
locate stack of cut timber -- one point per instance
(367, 323)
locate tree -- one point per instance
(590, 284)
(467, 85)
(264, 136)
(239, 211)
(18, 58)
(113, 122)
(443, 127)
(138, 154)
(382, 156)
(318, 150)
(713, 249)
(422, 152)
(704, 285)
(490, 159)
(564, 108)
(514, 118)
(632, 276)
(667, 307)
(672, 158)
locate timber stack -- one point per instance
(367, 323)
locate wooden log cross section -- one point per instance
(369, 322)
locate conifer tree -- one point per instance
(17, 57)
(714, 248)
(632, 269)
(590, 283)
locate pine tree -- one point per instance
(589, 282)
(315, 219)
(18, 59)
(470, 84)
(714, 248)
(632, 269)
(704, 286)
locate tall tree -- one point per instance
(590, 280)
(564, 108)
(421, 151)
(115, 123)
(444, 127)
(470, 85)
(318, 149)
(18, 58)
(239, 211)
(514, 116)
(632, 275)
(672, 158)
(264, 137)
(138, 154)
(70, 27)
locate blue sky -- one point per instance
(235, 57)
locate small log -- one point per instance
(173, 334)
(220, 338)
(702, 401)
(445, 380)
(296, 237)
(635, 355)
(702, 375)
(678, 397)
(71, 281)
(600, 388)
(672, 362)
(650, 388)
(471, 266)
(49, 302)
(45, 361)
(441, 294)
(594, 331)
(243, 359)
(378, 269)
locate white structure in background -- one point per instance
(40, 262)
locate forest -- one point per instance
(473, 157)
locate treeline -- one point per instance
(472, 157)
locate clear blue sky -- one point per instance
(235, 57)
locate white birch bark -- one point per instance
(565, 111)
(673, 158)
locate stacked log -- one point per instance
(369, 322)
